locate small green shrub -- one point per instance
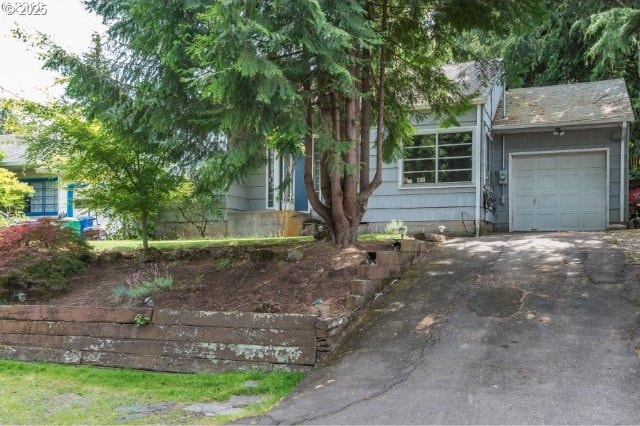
(222, 263)
(145, 283)
(396, 227)
(141, 319)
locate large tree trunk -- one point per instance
(344, 168)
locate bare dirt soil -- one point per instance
(247, 279)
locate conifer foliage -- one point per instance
(334, 77)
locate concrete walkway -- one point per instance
(516, 329)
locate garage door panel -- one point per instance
(525, 164)
(546, 182)
(593, 180)
(569, 181)
(546, 201)
(523, 221)
(569, 221)
(559, 192)
(525, 183)
(593, 161)
(570, 203)
(546, 163)
(523, 202)
(569, 162)
(592, 221)
(546, 222)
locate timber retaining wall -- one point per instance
(178, 341)
(195, 341)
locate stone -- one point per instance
(294, 255)
(616, 227)
(250, 384)
(422, 236)
(268, 308)
(137, 411)
(321, 235)
(234, 405)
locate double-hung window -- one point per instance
(438, 158)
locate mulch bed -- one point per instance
(228, 278)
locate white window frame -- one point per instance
(277, 178)
(469, 184)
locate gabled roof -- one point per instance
(473, 78)
(15, 152)
(598, 102)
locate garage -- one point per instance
(559, 191)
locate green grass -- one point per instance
(124, 245)
(35, 393)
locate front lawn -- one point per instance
(123, 245)
(34, 393)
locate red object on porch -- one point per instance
(634, 196)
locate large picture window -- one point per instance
(44, 201)
(438, 158)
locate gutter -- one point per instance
(512, 127)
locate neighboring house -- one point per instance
(537, 159)
(51, 198)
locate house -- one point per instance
(534, 159)
(51, 198)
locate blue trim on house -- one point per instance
(301, 199)
(37, 180)
(70, 188)
(40, 179)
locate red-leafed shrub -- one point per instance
(37, 256)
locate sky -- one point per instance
(68, 24)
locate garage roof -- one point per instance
(597, 102)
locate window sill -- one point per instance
(436, 186)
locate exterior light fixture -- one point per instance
(558, 132)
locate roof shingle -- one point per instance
(566, 104)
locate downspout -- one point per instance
(478, 164)
(503, 199)
(623, 175)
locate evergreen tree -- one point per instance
(327, 72)
(193, 77)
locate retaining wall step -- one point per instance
(378, 272)
(414, 246)
(353, 302)
(364, 288)
(394, 257)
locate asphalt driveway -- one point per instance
(506, 329)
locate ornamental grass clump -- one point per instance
(145, 283)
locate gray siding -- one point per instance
(438, 204)
(545, 141)
(248, 194)
(431, 122)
